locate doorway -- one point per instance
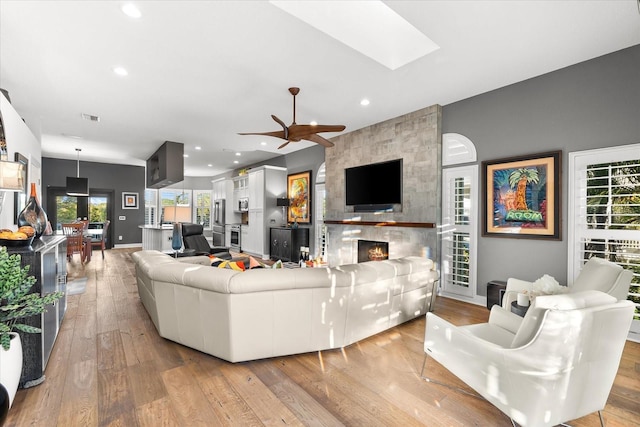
(97, 208)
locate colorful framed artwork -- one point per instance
(522, 196)
(129, 200)
(299, 193)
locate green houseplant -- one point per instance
(16, 303)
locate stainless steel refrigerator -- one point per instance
(218, 222)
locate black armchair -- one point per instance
(193, 238)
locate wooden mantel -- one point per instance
(381, 223)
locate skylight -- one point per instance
(370, 27)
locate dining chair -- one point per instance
(99, 240)
(75, 240)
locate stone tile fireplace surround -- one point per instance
(417, 139)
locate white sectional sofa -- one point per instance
(260, 313)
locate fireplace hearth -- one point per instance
(371, 250)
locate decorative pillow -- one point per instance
(254, 263)
(277, 264)
(232, 265)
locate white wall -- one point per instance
(19, 139)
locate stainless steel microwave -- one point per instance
(243, 204)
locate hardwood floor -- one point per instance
(110, 367)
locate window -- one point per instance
(459, 230)
(202, 208)
(604, 212)
(320, 207)
(150, 207)
(175, 205)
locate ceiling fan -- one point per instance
(296, 132)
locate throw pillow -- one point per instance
(232, 265)
(254, 263)
(215, 260)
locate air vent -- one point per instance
(90, 117)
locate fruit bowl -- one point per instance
(13, 243)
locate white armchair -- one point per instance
(558, 366)
(596, 274)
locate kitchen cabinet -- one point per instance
(47, 261)
(157, 238)
(246, 244)
(265, 185)
(240, 190)
(219, 189)
(256, 190)
(286, 242)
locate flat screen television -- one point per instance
(374, 187)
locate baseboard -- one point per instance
(127, 245)
(477, 299)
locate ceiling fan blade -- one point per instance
(284, 127)
(298, 132)
(319, 140)
(277, 134)
(283, 145)
(329, 128)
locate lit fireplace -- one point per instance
(370, 250)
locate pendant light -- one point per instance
(77, 186)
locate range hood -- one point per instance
(166, 166)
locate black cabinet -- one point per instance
(286, 242)
(46, 259)
(495, 292)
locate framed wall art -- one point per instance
(299, 193)
(20, 199)
(522, 196)
(129, 200)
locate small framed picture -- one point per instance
(129, 200)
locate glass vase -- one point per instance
(33, 214)
(176, 238)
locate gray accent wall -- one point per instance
(104, 176)
(309, 159)
(589, 105)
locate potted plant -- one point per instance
(16, 304)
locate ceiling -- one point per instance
(199, 72)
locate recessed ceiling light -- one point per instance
(313, 123)
(238, 153)
(364, 102)
(235, 162)
(120, 71)
(198, 147)
(185, 155)
(263, 143)
(131, 10)
(72, 136)
(210, 165)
